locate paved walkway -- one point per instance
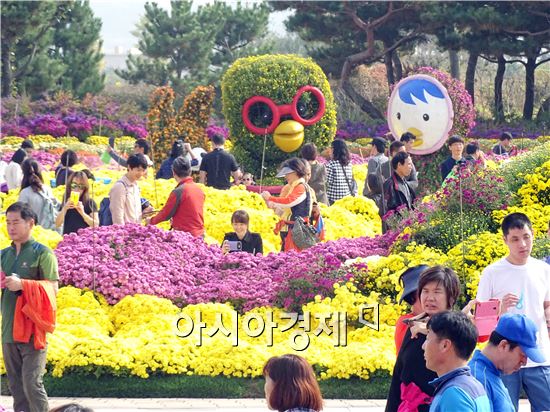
(209, 405)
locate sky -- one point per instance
(120, 17)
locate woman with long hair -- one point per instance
(340, 181)
(410, 389)
(295, 200)
(79, 210)
(291, 386)
(38, 195)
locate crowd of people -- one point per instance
(434, 369)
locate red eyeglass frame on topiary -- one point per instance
(284, 109)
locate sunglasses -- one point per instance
(77, 186)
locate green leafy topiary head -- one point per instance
(278, 78)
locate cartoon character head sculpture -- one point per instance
(261, 115)
(421, 105)
(272, 104)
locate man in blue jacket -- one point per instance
(511, 343)
(451, 340)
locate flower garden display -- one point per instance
(463, 108)
(146, 278)
(188, 124)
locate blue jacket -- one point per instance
(485, 371)
(459, 391)
(165, 170)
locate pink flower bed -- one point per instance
(135, 259)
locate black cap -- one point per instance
(409, 280)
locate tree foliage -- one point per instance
(77, 46)
(186, 47)
(345, 35)
(49, 46)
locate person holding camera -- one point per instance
(141, 146)
(179, 148)
(242, 240)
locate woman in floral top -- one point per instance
(291, 386)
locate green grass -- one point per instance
(199, 387)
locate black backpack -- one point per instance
(106, 218)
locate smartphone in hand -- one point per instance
(486, 316)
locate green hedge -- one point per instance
(277, 77)
(182, 386)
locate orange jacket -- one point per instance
(34, 312)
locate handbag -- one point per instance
(303, 235)
(351, 186)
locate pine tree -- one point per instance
(78, 47)
(26, 33)
(47, 46)
(185, 48)
(348, 34)
(238, 31)
(176, 47)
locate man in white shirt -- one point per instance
(522, 283)
(125, 204)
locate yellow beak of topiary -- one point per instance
(288, 136)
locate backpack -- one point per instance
(50, 212)
(106, 218)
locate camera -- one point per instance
(235, 245)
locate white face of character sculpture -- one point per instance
(421, 105)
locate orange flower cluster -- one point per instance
(194, 114)
(164, 125)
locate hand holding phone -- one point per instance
(486, 317)
(75, 197)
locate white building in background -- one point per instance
(117, 58)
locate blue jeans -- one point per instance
(536, 383)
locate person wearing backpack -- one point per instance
(79, 210)
(124, 197)
(185, 204)
(38, 195)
